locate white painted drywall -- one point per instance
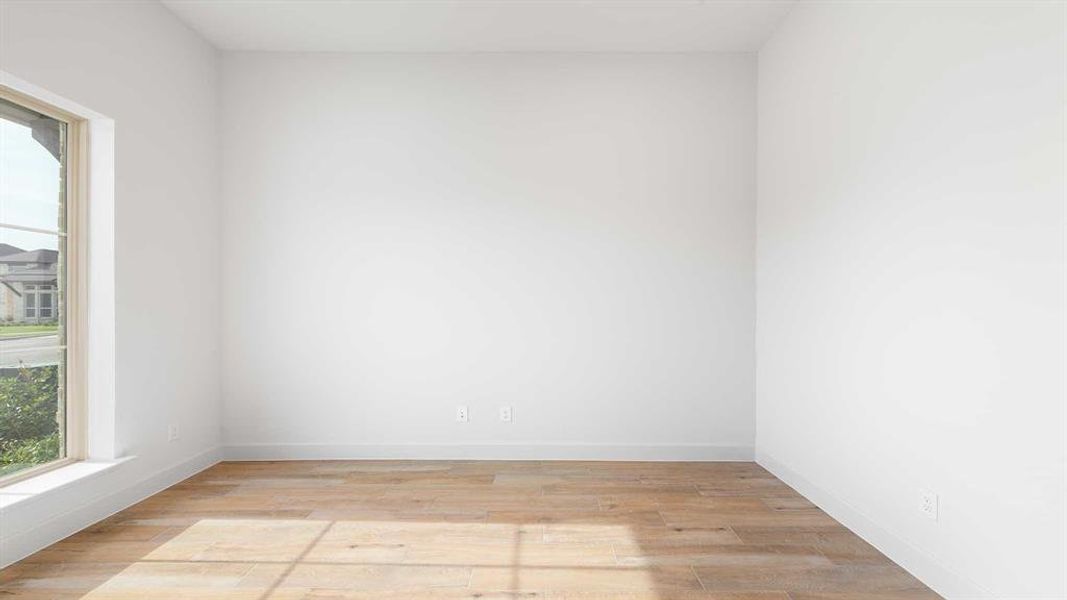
(568, 234)
(138, 64)
(911, 279)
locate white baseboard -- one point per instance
(88, 506)
(678, 452)
(924, 567)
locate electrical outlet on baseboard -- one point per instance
(462, 416)
(172, 432)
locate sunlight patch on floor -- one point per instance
(239, 559)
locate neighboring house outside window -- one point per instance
(28, 285)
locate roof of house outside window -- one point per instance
(31, 257)
(34, 266)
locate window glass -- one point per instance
(32, 284)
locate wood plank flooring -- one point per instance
(477, 530)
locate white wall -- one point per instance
(568, 234)
(911, 277)
(136, 63)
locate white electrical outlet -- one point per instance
(173, 433)
(928, 504)
(462, 416)
(505, 414)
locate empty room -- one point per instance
(533, 299)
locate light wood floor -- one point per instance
(450, 530)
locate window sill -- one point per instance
(25, 491)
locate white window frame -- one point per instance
(76, 291)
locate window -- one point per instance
(40, 288)
(45, 305)
(39, 304)
(31, 306)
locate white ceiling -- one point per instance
(484, 25)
